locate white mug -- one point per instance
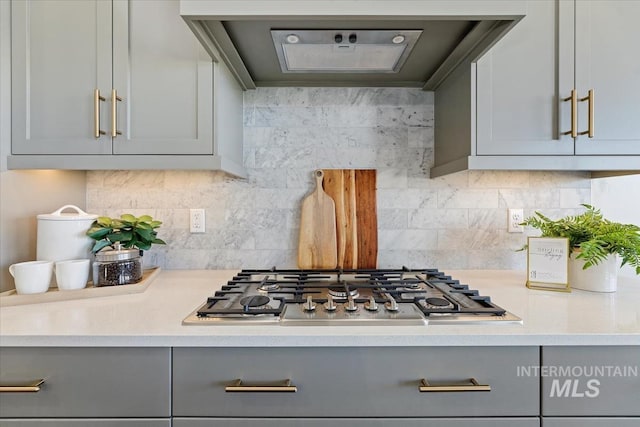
(72, 274)
(32, 277)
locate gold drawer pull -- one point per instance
(280, 386)
(472, 386)
(31, 387)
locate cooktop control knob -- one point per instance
(391, 304)
(371, 305)
(350, 305)
(330, 305)
(309, 305)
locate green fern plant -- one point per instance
(128, 230)
(592, 236)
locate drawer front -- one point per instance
(590, 422)
(350, 422)
(87, 382)
(158, 422)
(353, 382)
(591, 381)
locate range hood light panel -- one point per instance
(322, 51)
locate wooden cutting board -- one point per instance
(367, 217)
(340, 185)
(317, 245)
(354, 194)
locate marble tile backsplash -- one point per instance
(453, 222)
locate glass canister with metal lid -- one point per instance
(117, 266)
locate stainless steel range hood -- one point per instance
(412, 43)
(343, 51)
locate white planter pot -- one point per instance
(598, 278)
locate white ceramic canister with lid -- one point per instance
(62, 236)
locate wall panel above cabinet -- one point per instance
(134, 90)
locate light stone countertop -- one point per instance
(153, 318)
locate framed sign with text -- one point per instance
(548, 263)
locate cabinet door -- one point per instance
(60, 54)
(607, 61)
(164, 79)
(87, 382)
(590, 422)
(353, 382)
(591, 381)
(355, 422)
(83, 422)
(521, 83)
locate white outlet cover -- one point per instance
(197, 221)
(514, 218)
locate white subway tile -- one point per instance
(407, 239)
(438, 218)
(463, 198)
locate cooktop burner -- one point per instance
(437, 302)
(254, 301)
(347, 297)
(342, 292)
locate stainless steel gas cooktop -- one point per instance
(347, 297)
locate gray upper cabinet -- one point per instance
(517, 96)
(164, 78)
(518, 84)
(607, 62)
(118, 85)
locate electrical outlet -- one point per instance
(196, 221)
(515, 217)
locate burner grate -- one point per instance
(302, 297)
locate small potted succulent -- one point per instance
(119, 246)
(594, 242)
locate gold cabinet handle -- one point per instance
(96, 111)
(574, 114)
(30, 387)
(114, 113)
(277, 387)
(591, 124)
(472, 386)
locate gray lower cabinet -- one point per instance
(118, 84)
(353, 382)
(86, 383)
(591, 422)
(350, 422)
(157, 422)
(591, 382)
